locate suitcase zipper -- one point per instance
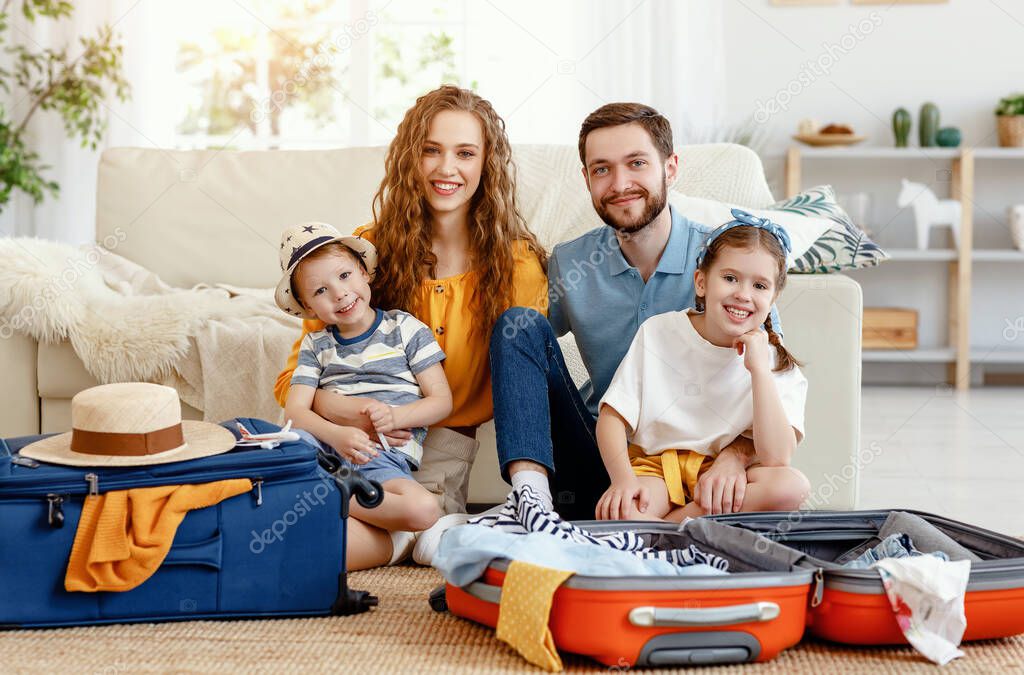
(91, 481)
(55, 511)
(55, 502)
(819, 587)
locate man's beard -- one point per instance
(654, 204)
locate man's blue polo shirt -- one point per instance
(595, 293)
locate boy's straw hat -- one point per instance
(299, 241)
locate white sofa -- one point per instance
(216, 216)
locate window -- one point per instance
(272, 73)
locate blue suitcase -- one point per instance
(277, 551)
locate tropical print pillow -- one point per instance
(843, 247)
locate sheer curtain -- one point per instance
(544, 65)
(547, 65)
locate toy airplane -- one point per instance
(266, 441)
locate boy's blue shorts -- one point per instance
(387, 465)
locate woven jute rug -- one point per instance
(401, 635)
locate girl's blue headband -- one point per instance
(744, 219)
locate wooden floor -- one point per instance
(959, 455)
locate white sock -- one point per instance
(536, 480)
(401, 546)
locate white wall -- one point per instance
(958, 55)
(867, 61)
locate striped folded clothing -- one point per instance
(525, 513)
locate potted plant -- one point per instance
(72, 82)
(1010, 121)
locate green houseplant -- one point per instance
(1010, 121)
(73, 81)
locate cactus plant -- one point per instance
(928, 125)
(901, 126)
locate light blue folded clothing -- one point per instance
(467, 550)
(896, 545)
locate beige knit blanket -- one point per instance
(220, 347)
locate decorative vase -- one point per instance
(1017, 226)
(1011, 130)
(928, 124)
(948, 137)
(901, 126)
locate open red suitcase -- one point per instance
(781, 583)
(852, 607)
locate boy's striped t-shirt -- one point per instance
(381, 364)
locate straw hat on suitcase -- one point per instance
(130, 424)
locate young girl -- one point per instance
(455, 252)
(693, 381)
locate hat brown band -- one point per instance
(122, 444)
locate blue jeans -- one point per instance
(539, 414)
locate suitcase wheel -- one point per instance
(438, 600)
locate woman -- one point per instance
(453, 250)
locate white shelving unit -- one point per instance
(959, 354)
(949, 255)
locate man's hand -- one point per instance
(353, 444)
(722, 487)
(617, 503)
(381, 415)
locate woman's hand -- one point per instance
(347, 411)
(353, 444)
(382, 416)
(753, 346)
(617, 503)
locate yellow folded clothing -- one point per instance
(526, 596)
(123, 536)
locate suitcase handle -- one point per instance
(703, 616)
(665, 616)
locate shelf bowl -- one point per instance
(823, 140)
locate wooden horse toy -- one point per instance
(929, 210)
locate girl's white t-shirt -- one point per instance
(678, 391)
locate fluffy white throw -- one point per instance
(220, 347)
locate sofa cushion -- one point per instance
(844, 246)
(213, 216)
(60, 371)
(803, 230)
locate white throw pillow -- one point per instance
(803, 230)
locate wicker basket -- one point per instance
(1011, 130)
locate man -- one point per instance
(602, 286)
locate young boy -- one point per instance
(389, 360)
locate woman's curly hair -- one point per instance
(401, 216)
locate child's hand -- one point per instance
(621, 500)
(382, 416)
(753, 346)
(353, 444)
